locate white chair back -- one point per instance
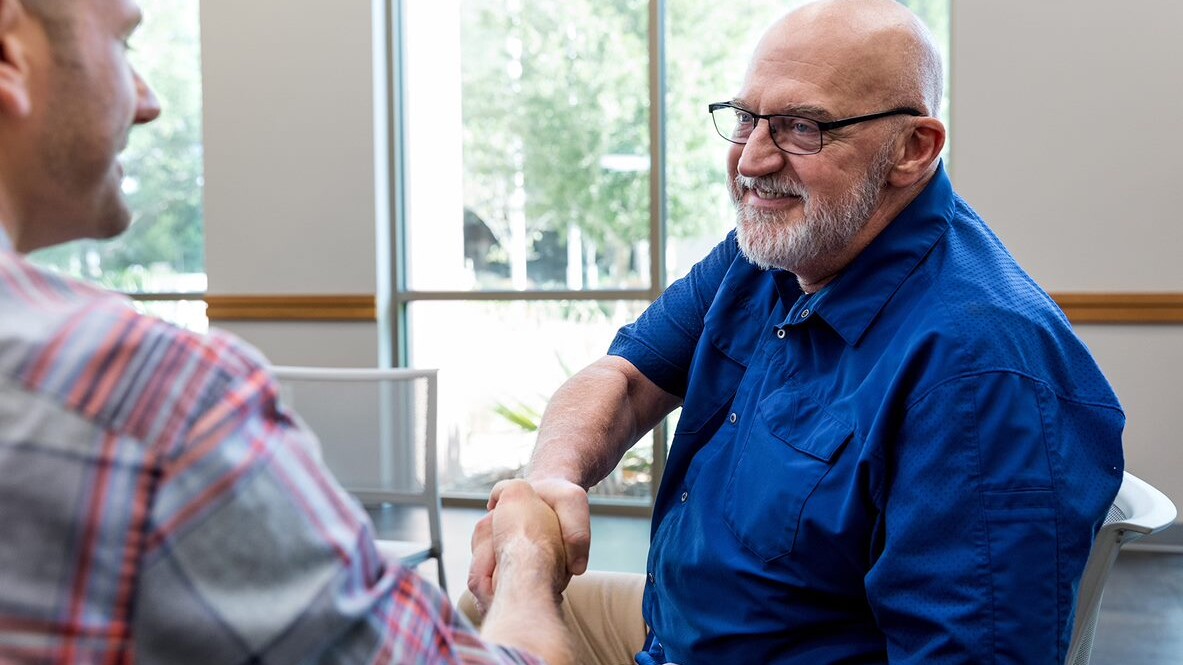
(1138, 510)
(377, 429)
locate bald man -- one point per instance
(892, 446)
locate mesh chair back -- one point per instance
(1138, 510)
(377, 430)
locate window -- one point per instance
(538, 212)
(160, 260)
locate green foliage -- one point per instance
(523, 415)
(708, 45)
(526, 417)
(556, 117)
(550, 89)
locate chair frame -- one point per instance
(1138, 510)
(407, 552)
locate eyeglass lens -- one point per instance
(789, 133)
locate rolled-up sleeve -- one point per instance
(661, 342)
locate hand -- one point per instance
(567, 500)
(484, 562)
(527, 538)
(523, 529)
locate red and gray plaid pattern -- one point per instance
(158, 505)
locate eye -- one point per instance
(743, 118)
(800, 126)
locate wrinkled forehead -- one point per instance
(829, 62)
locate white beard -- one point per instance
(769, 241)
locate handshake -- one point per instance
(524, 553)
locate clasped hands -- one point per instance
(541, 527)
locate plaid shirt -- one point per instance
(158, 505)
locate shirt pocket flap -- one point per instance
(791, 446)
(799, 421)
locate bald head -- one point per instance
(873, 50)
(870, 64)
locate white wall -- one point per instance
(294, 156)
(1066, 138)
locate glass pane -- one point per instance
(499, 363)
(539, 112)
(164, 250)
(708, 47)
(189, 314)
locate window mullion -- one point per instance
(657, 198)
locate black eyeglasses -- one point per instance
(793, 134)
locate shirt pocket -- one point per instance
(789, 448)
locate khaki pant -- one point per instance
(602, 611)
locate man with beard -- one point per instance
(892, 447)
(158, 504)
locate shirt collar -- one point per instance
(857, 295)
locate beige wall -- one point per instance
(1065, 136)
(295, 174)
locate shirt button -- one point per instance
(780, 333)
(733, 418)
(805, 314)
(650, 576)
(685, 495)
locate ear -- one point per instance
(919, 150)
(14, 65)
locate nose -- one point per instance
(147, 105)
(760, 156)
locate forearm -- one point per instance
(525, 612)
(594, 418)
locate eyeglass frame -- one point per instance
(822, 127)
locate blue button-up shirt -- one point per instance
(907, 466)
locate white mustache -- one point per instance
(779, 186)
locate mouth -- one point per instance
(772, 192)
(765, 194)
(759, 196)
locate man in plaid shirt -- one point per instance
(157, 503)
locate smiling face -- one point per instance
(85, 98)
(808, 213)
(781, 223)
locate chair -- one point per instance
(1138, 510)
(377, 429)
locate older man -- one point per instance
(157, 503)
(892, 447)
